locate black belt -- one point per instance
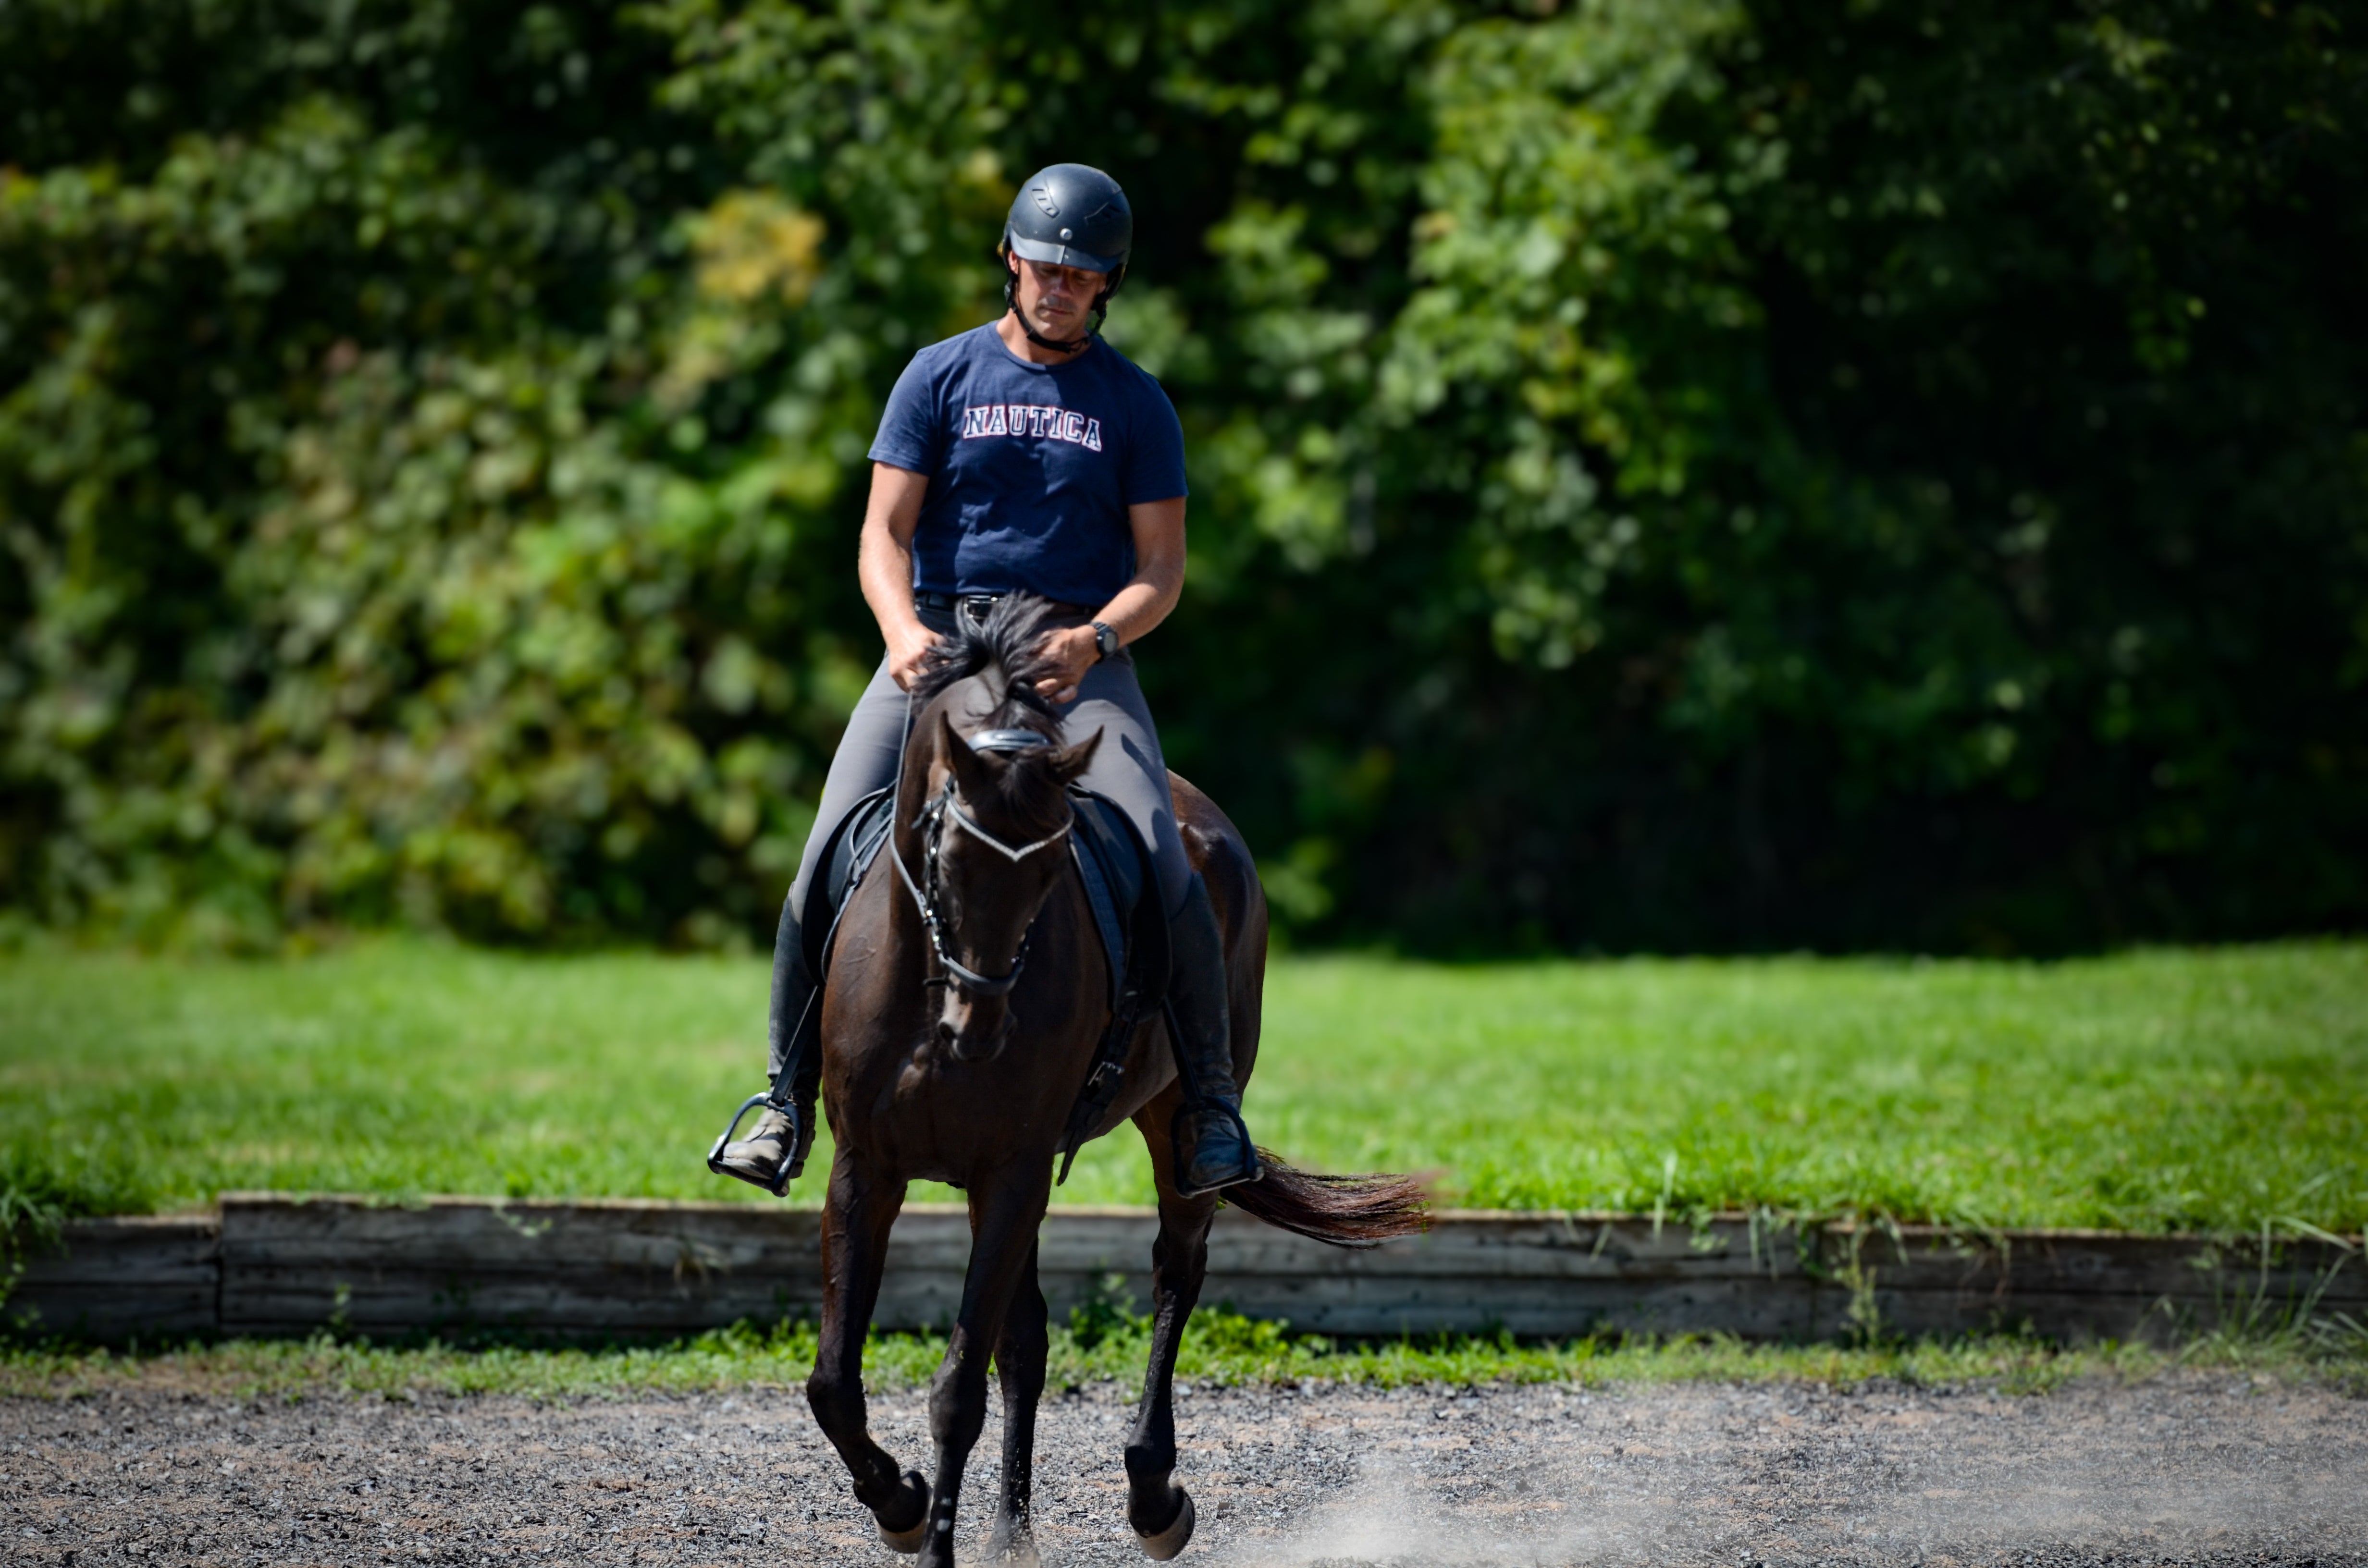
(977, 604)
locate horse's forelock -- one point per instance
(1009, 642)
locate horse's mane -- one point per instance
(1009, 639)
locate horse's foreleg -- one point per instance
(1019, 1355)
(1005, 1214)
(1160, 1511)
(855, 1219)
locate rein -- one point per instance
(946, 809)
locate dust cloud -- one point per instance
(2186, 1471)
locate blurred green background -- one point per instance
(1671, 475)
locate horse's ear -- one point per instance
(1069, 764)
(970, 769)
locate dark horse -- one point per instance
(968, 991)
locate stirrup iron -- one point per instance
(792, 1164)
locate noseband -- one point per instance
(946, 809)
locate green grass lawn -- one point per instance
(1219, 1348)
(2157, 1090)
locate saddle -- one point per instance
(1113, 864)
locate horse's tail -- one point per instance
(1345, 1210)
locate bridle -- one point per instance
(943, 812)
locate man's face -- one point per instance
(1057, 301)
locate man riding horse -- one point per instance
(1027, 454)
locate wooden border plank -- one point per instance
(110, 1280)
(276, 1263)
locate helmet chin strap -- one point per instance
(1075, 346)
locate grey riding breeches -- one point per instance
(1128, 769)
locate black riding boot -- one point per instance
(773, 1155)
(1213, 1147)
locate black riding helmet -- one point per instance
(1070, 215)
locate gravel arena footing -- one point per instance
(2196, 1469)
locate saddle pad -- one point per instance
(1116, 870)
(852, 850)
(1110, 864)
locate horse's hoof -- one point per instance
(1174, 1538)
(907, 1541)
(912, 1501)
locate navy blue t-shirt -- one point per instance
(1031, 466)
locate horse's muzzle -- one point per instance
(973, 1029)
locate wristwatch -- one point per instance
(1106, 643)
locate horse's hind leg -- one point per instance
(855, 1219)
(1160, 1511)
(1006, 1210)
(1019, 1355)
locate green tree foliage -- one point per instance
(1670, 472)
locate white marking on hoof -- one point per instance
(1174, 1538)
(907, 1542)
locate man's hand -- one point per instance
(1073, 650)
(906, 648)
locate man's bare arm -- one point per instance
(884, 564)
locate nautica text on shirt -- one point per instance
(1032, 419)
